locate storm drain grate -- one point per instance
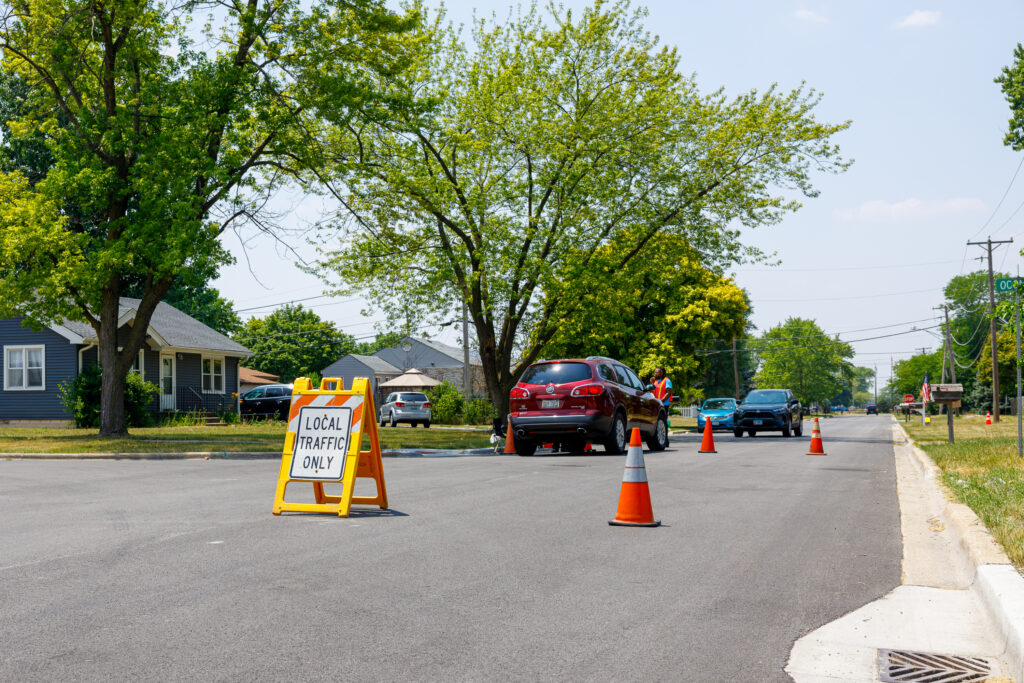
(896, 666)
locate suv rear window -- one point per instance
(412, 397)
(556, 373)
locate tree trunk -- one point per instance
(112, 417)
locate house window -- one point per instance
(24, 368)
(213, 375)
(139, 366)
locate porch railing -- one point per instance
(191, 400)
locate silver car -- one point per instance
(405, 406)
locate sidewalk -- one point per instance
(960, 596)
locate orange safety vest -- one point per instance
(661, 390)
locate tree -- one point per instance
(554, 155)
(719, 375)
(158, 147)
(655, 311)
(293, 342)
(798, 355)
(381, 341)
(908, 375)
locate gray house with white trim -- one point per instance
(437, 360)
(354, 365)
(195, 366)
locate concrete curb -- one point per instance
(234, 455)
(995, 580)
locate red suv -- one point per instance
(576, 400)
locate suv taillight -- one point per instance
(518, 392)
(427, 404)
(399, 404)
(588, 390)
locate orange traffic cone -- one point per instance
(816, 446)
(707, 444)
(988, 417)
(635, 497)
(510, 447)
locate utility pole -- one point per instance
(989, 245)
(948, 348)
(924, 402)
(876, 384)
(735, 369)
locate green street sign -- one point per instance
(1005, 284)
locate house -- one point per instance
(437, 360)
(250, 379)
(195, 366)
(377, 370)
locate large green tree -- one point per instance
(656, 311)
(293, 342)
(799, 355)
(556, 135)
(158, 147)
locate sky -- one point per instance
(871, 254)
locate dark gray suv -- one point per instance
(768, 410)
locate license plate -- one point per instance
(550, 403)
(757, 422)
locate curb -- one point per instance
(996, 581)
(233, 455)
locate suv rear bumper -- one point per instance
(583, 426)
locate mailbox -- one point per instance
(947, 393)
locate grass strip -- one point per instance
(232, 438)
(983, 472)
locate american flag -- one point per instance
(926, 390)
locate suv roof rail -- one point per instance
(601, 358)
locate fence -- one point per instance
(689, 411)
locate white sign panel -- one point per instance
(321, 443)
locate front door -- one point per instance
(167, 382)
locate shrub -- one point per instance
(445, 403)
(81, 398)
(478, 411)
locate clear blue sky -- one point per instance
(877, 246)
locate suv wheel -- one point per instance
(615, 442)
(737, 433)
(786, 432)
(382, 420)
(394, 422)
(523, 447)
(658, 441)
(799, 429)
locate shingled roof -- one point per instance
(176, 329)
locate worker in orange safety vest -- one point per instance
(662, 386)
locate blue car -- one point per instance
(719, 411)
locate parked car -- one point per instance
(719, 410)
(769, 410)
(406, 406)
(578, 400)
(872, 409)
(270, 400)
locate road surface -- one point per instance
(496, 568)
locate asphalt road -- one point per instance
(485, 568)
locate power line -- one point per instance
(1001, 200)
(826, 270)
(846, 298)
(834, 342)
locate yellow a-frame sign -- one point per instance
(327, 429)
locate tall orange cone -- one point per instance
(707, 444)
(816, 446)
(510, 446)
(988, 417)
(635, 497)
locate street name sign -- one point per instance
(1005, 284)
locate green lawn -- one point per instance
(232, 438)
(982, 470)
